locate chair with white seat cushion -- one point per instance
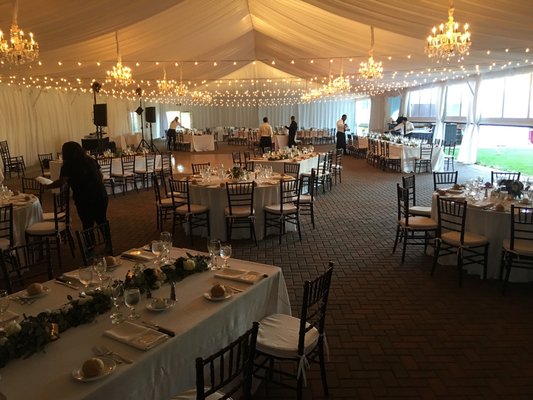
(6, 226)
(95, 242)
(227, 373)
(286, 211)
(240, 212)
(453, 239)
(127, 173)
(444, 179)
(44, 162)
(306, 202)
(59, 227)
(496, 177)
(412, 229)
(145, 171)
(301, 340)
(194, 215)
(163, 205)
(518, 250)
(409, 182)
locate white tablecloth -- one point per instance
(216, 198)
(280, 141)
(277, 166)
(496, 227)
(24, 215)
(202, 327)
(408, 155)
(200, 142)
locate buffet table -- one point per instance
(200, 142)
(408, 154)
(201, 327)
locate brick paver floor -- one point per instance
(393, 331)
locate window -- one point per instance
(362, 115)
(394, 107)
(491, 98)
(135, 121)
(422, 103)
(184, 116)
(516, 96)
(457, 100)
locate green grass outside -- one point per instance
(507, 159)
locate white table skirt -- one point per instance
(202, 327)
(24, 216)
(280, 141)
(277, 166)
(200, 142)
(216, 199)
(496, 227)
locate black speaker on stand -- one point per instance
(150, 118)
(99, 120)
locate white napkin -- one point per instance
(137, 336)
(138, 254)
(43, 181)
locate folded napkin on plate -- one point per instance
(139, 255)
(137, 336)
(8, 316)
(74, 274)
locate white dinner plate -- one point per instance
(168, 304)
(109, 367)
(226, 296)
(45, 291)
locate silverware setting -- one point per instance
(234, 289)
(103, 351)
(23, 300)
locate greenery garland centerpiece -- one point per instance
(513, 188)
(33, 333)
(148, 279)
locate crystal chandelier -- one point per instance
(371, 69)
(181, 89)
(18, 49)
(449, 41)
(165, 87)
(120, 73)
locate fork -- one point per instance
(115, 354)
(101, 353)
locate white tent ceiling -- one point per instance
(290, 41)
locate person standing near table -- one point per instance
(342, 128)
(405, 127)
(265, 133)
(83, 175)
(293, 127)
(171, 133)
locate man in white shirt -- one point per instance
(404, 127)
(342, 128)
(265, 132)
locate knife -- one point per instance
(64, 282)
(159, 328)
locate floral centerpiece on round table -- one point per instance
(236, 173)
(147, 279)
(277, 155)
(514, 188)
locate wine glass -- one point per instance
(132, 296)
(166, 239)
(225, 253)
(213, 247)
(4, 304)
(117, 291)
(157, 249)
(100, 267)
(85, 276)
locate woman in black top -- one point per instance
(84, 177)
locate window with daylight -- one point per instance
(135, 121)
(458, 98)
(362, 115)
(423, 103)
(184, 116)
(394, 107)
(517, 96)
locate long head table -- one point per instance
(202, 327)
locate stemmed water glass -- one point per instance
(213, 247)
(117, 291)
(4, 304)
(157, 249)
(100, 267)
(132, 296)
(166, 239)
(225, 253)
(85, 276)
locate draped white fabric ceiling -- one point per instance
(291, 42)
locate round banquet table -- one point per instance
(27, 210)
(496, 227)
(215, 197)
